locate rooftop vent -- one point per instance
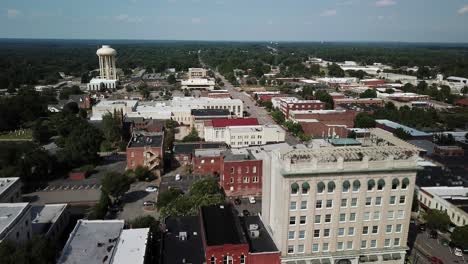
(183, 236)
(254, 233)
(253, 227)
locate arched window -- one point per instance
(320, 187)
(380, 184)
(331, 186)
(294, 188)
(213, 260)
(404, 183)
(356, 185)
(370, 184)
(305, 188)
(346, 186)
(242, 259)
(395, 183)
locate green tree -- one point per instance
(294, 128)
(41, 131)
(205, 186)
(364, 120)
(369, 93)
(325, 97)
(335, 70)
(437, 219)
(111, 128)
(278, 116)
(401, 133)
(36, 251)
(168, 196)
(171, 79)
(459, 236)
(142, 173)
(115, 185)
(99, 210)
(192, 136)
(464, 90)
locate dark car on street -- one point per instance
(433, 234)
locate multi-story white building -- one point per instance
(202, 83)
(113, 106)
(196, 73)
(336, 203)
(235, 106)
(245, 132)
(451, 200)
(15, 222)
(10, 190)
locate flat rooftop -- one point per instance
(261, 243)
(44, 216)
(208, 152)
(9, 213)
(108, 103)
(6, 183)
(146, 139)
(131, 247)
(238, 155)
(210, 112)
(92, 241)
(175, 250)
(189, 148)
(413, 132)
(222, 225)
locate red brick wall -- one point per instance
(183, 159)
(286, 107)
(318, 129)
(138, 158)
(264, 258)
(238, 187)
(268, 97)
(340, 118)
(373, 83)
(207, 165)
(448, 152)
(376, 102)
(235, 251)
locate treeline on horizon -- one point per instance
(39, 61)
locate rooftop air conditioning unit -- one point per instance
(253, 227)
(254, 233)
(183, 236)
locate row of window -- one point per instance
(246, 137)
(240, 143)
(229, 259)
(246, 169)
(327, 218)
(331, 186)
(319, 204)
(243, 180)
(455, 217)
(340, 246)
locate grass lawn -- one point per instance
(23, 134)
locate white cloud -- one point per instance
(128, 19)
(463, 10)
(12, 13)
(329, 12)
(196, 20)
(384, 3)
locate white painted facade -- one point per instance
(112, 106)
(245, 136)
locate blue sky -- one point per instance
(297, 20)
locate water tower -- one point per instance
(107, 68)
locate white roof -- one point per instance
(43, 215)
(6, 183)
(117, 103)
(309, 81)
(131, 247)
(198, 81)
(9, 212)
(323, 112)
(455, 78)
(447, 191)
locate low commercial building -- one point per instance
(195, 73)
(96, 84)
(242, 132)
(104, 241)
(392, 126)
(199, 116)
(10, 190)
(325, 123)
(276, 101)
(205, 83)
(49, 220)
(15, 222)
(241, 173)
(268, 97)
(359, 102)
(286, 106)
(405, 97)
(372, 82)
(184, 152)
(451, 200)
(208, 161)
(218, 235)
(393, 77)
(235, 106)
(132, 124)
(121, 107)
(448, 151)
(146, 149)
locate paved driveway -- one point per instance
(134, 199)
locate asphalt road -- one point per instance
(260, 113)
(426, 247)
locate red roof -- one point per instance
(234, 122)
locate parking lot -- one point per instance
(168, 181)
(134, 199)
(253, 209)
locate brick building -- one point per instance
(207, 161)
(241, 173)
(268, 97)
(82, 100)
(287, 106)
(218, 236)
(373, 82)
(448, 151)
(184, 152)
(325, 123)
(146, 149)
(358, 101)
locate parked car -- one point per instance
(245, 212)
(422, 227)
(177, 177)
(151, 188)
(237, 201)
(433, 234)
(149, 203)
(436, 260)
(252, 199)
(457, 252)
(444, 242)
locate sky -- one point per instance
(238, 20)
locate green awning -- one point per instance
(326, 261)
(346, 184)
(294, 187)
(363, 259)
(356, 184)
(315, 261)
(396, 256)
(371, 183)
(395, 182)
(331, 185)
(305, 186)
(381, 183)
(373, 258)
(405, 182)
(320, 186)
(387, 257)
